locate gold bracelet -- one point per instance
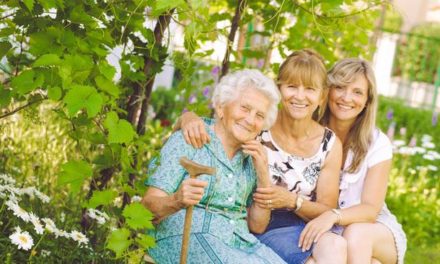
(337, 212)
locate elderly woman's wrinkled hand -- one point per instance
(275, 197)
(259, 157)
(190, 192)
(193, 130)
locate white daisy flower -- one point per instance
(45, 253)
(407, 151)
(39, 229)
(22, 239)
(428, 144)
(398, 143)
(117, 201)
(61, 233)
(99, 216)
(79, 237)
(29, 191)
(136, 199)
(50, 225)
(18, 211)
(428, 157)
(6, 179)
(426, 138)
(44, 198)
(432, 168)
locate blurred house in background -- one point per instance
(407, 59)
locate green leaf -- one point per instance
(111, 120)
(123, 132)
(80, 97)
(107, 86)
(4, 48)
(54, 93)
(74, 173)
(145, 241)
(27, 82)
(119, 241)
(163, 5)
(5, 96)
(107, 70)
(29, 4)
(79, 16)
(120, 130)
(101, 198)
(137, 216)
(80, 66)
(48, 4)
(47, 60)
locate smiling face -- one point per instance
(244, 118)
(300, 102)
(347, 102)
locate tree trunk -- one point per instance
(149, 65)
(234, 26)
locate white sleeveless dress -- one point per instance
(352, 184)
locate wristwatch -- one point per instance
(299, 202)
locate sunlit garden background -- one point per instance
(90, 89)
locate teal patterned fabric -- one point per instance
(219, 231)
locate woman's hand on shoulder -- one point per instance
(315, 228)
(190, 192)
(193, 130)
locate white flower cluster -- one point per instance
(8, 189)
(99, 216)
(23, 240)
(400, 147)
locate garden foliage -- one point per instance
(85, 131)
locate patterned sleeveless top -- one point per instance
(297, 174)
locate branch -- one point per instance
(6, 16)
(334, 17)
(234, 26)
(21, 108)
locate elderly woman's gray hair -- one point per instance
(232, 85)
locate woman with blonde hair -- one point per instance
(303, 159)
(373, 234)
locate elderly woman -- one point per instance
(245, 102)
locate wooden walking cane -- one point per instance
(194, 170)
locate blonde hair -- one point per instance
(305, 67)
(358, 139)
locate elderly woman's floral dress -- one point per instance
(219, 231)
